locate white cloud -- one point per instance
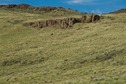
(78, 1)
(97, 11)
(75, 1)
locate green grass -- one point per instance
(89, 53)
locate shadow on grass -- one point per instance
(23, 62)
(109, 55)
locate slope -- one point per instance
(89, 53)
(119, 11)
(46, 10)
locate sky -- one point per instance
(90, 6)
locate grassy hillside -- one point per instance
(44, 10)
(89, 53)
(119, 11)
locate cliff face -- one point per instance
(64, 23)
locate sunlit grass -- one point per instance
(90, 53)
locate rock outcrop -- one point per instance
(64, 23)
(89, 18)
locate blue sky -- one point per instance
(91, 6)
